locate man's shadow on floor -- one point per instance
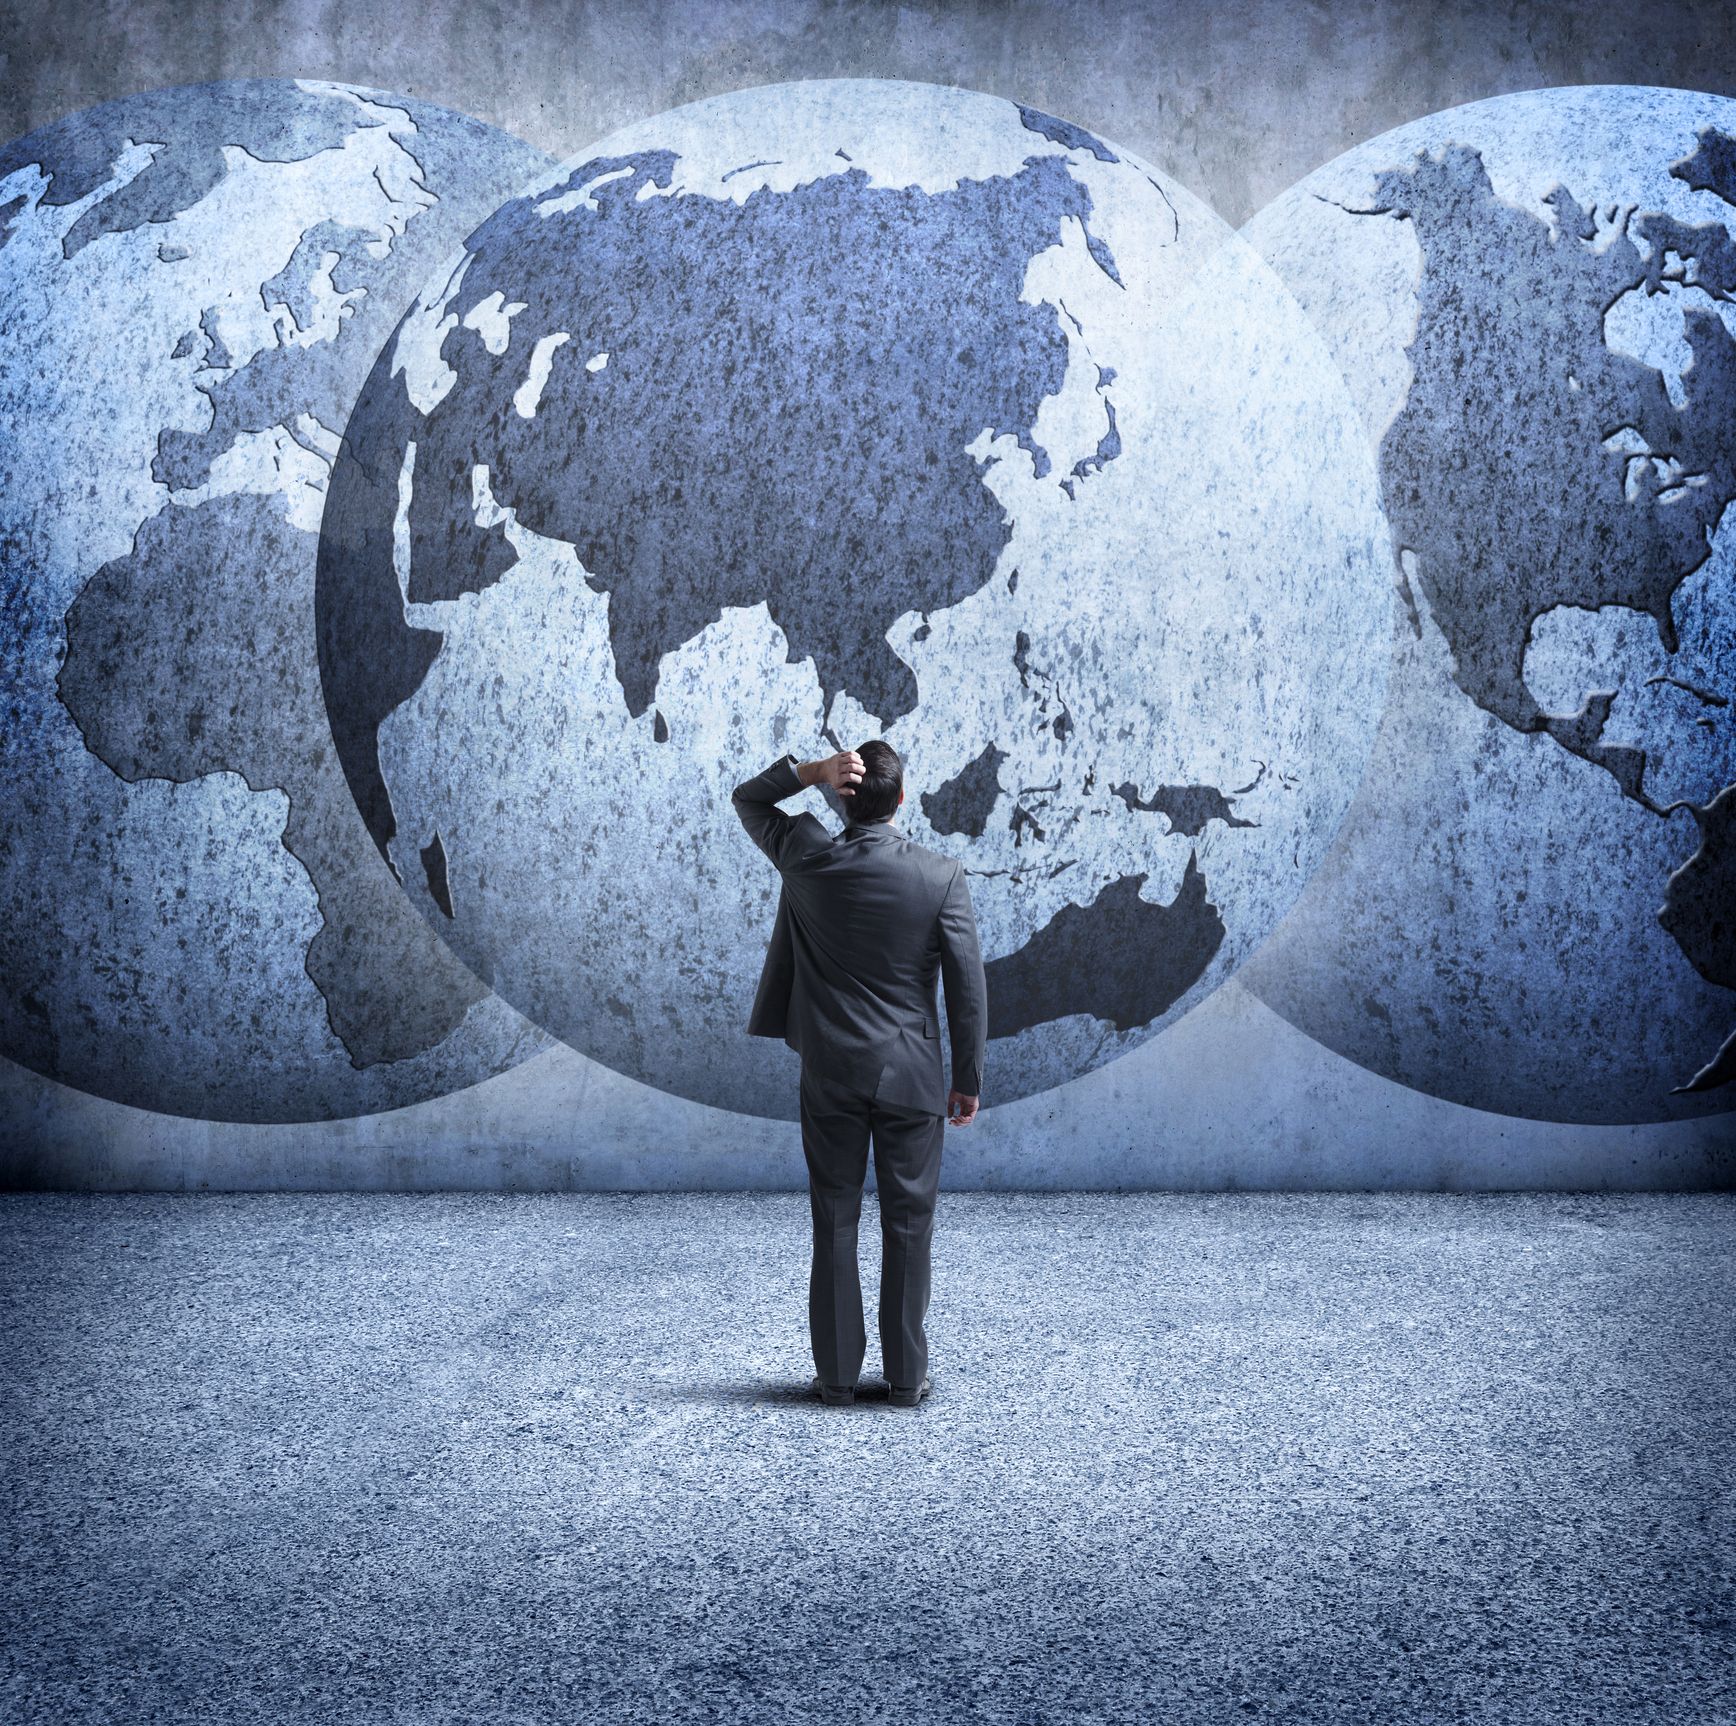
(770, 1393)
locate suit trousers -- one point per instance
(838, 1125)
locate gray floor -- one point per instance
(479, 1459)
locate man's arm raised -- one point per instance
(756, 800)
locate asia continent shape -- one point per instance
(681, 450)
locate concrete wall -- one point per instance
(1238, 101)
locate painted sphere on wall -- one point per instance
(836, 410)
(192, 916)
(1532, 905)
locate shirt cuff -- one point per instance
(789, 764)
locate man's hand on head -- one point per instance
(842, 772)
(961, 1109)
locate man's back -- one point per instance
(867, 922)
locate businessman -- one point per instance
(866, 920)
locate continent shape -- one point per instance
(759, 427)
(195, 919)
(1530, 297)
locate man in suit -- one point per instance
(865, 921)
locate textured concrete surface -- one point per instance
(1237, 100)
(1190, 1459)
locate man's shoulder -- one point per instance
(936, 863)
(909, 853)
(813, 833)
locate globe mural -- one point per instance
(1531, 907)
(192, 915)
(825, 411)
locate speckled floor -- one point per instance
(510, 1459)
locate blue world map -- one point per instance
(836, 407)
(1530, 908)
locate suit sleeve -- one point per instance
(756, 802)
(967, 995)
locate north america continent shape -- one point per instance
(1531, 908)
(193, 918)
(832, 410)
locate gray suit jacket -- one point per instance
(866, 920)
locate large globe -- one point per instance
(192, 916)
(1532, 905)
(833, 410)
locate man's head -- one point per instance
(881, 788)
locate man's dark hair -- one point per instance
(881, 783)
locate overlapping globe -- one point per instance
(835, 410)
(1532, 906)
(192, 917)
